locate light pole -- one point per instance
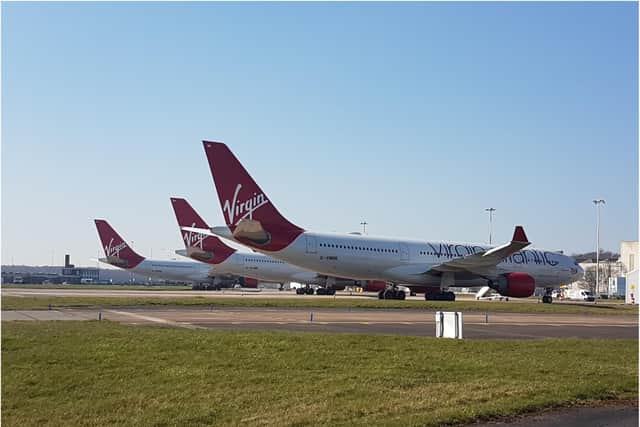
(490, 210)
(598, 202)
(131, 272)
(364, 227)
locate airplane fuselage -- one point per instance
(184, 271)
(410, 262)
(265, 268)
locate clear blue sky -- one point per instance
(413, 116)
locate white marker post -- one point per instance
(449, 324)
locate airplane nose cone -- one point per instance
(579, 274)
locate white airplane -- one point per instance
(120, 254)
(425, 266)
(250, 265)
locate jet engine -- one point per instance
(337, 284)
(247, 282)
(374, 285)
(517, 285)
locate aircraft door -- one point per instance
(312, 245)
(404, 252)
(237, 260)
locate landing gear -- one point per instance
(205, 287)
(547, 298)
(440, 296)
(446, 280)
(392, 293)
(307, 290)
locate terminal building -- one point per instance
(72, 274)
(629, 254)
(68, 273)
(613, 272)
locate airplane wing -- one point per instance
(483, 261)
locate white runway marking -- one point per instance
(155, 319)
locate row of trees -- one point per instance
(608, 267)
(591, 256)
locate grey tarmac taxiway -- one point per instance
(377, 321)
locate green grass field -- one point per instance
(101, 373)
(41, 303)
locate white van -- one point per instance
(579, 294)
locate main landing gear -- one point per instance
(440, 296)
(446, 280)
(308, 290)
(205, 287)
(547, 298)
(392, 292)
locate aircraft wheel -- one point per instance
(381, 294)
(308, 291)
(400, 295)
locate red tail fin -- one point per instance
(242, 199)
(115, 248)
(209, 249)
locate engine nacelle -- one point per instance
(516, 285)
(374, 285)
(222, 281)
(247, 282)
(337, 284)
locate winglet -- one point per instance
(519, 235)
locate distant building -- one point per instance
(71, 274)
(631, 289)
(629, 255)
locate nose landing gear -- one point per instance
(547, 298)
(392, 292)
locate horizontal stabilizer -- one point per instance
(205, 231)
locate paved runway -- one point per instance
(378, 321)
(609, 415)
